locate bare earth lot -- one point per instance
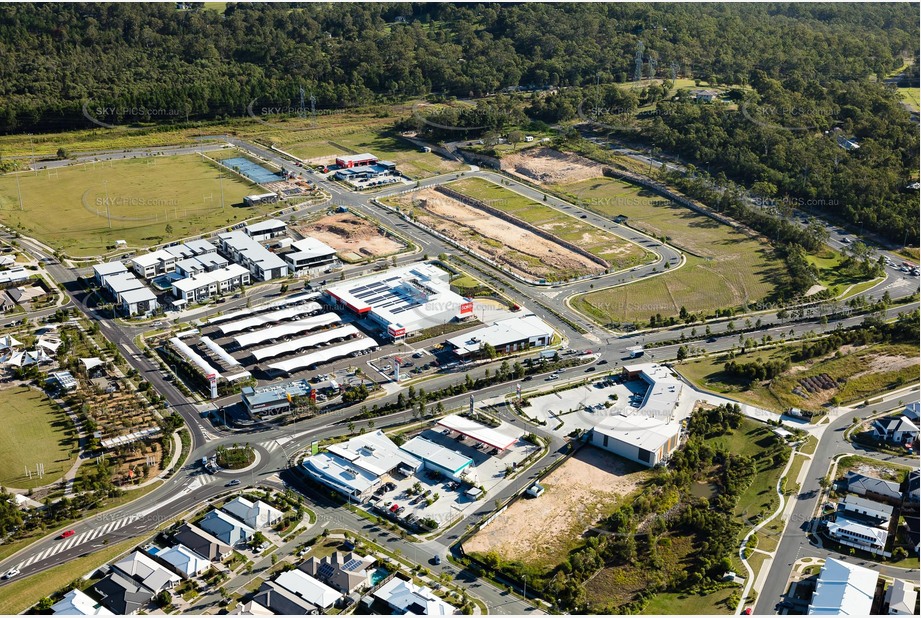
(542, 530)
(518, 249)
(550, 167)
(354, 238)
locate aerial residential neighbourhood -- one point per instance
(459, 308)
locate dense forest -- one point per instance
(796, 71)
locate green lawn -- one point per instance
(32, 432)
(833, 275)
(69, 208)
(673, 603)
(24, 593)
(617, 251)
(725, 268)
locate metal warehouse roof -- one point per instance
(843, 588)
(269, 318)
(374, 452)
(289, 300)
(502, 333)
(305, 342)
(639, 431)
(441, 456)
(283, 330)
(481, 433)
(324, 355)
(268, 224)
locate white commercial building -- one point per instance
(139, 302)
(439, 458)
(645, 440)
(505, 336)
(843, 590)
(355, 467)
(663, 392)
(205, 285)
(121, 283)
(309, 253)
(270, 228)
(403, 301)
(107, 269)
(245, 251)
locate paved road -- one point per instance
(190, 487)
(794, 543)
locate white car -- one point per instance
(11, 573)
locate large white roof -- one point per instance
(219, 352)
(311, 247)
(412, 599)
(150, 259)
(109, 268)
(502, 333)
(284, 302)
(231, 271)
(641, 431)
(324, 355)
(285, 330)
(436, 454)
(309, 341)
(138, 295)
(121, 283)
(501, 438)
(269, 318)
(268, 224)
(374, 453)
(308, 588)
(843, 590)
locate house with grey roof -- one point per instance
(345, 572)
(203, 543)
(226, 528)
(283, 601)
(872, 488)
(121, 594)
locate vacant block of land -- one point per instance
(32, 432)
(354, 238)
(725, 266)
(549, 167)
(518, 249)
(542, 531)
(84, 208)
(856, 373)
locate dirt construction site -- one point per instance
(354, 238)
(518, 249)
(541, 531)
(551, 167)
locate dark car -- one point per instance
(528, 378)
(603, 361)
(590, 369)
(711, 340)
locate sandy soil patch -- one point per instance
(522, 251)
(577, 494)
(549, 167)
(353, 237)
(883, 363)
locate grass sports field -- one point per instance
(617, 251)
(725, 268)
(67, 208)
(32, 432)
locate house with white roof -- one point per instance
(404, 597)
(895, 430)
(77, 603)
(184, 560)
(107, 269)
(150, 265)
(843, 590)
(901, 598)
(146, 571)
(270, 228)
(139, 302)
(308, 588)
(309, 253)
(256, 514)
(858, 533)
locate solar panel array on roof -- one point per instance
(326, 571)
(352, 565)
